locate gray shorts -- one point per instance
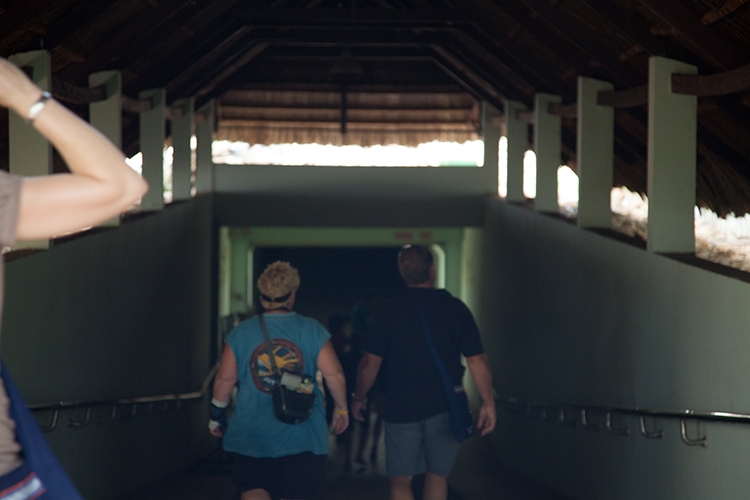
(417, 447)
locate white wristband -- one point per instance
(213, 425)
(219, 404)
(37, 107)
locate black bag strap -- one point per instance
(272, 358)
(449, 385)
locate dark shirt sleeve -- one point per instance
(471, 342)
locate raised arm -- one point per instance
(100, 185)
(330, 368)
(479, 367)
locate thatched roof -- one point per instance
(402, 71)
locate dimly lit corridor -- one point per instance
(134, 318)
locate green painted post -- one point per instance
(547, 146)
(595, 154)
(672, 149)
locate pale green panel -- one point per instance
(152, 137)
(204, 133)
(225, 271)
(471, 254)
(239, 275)
(439, 263)
(548, 147)
(106, 115)
(29, 152)
(672, 149)
(595, 152)
(517, 134)
(182, 133)
(347, 237)
(491, 145)
(453, 267)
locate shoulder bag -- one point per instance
(461, 420)
(290, 406)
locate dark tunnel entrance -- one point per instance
(334, 280)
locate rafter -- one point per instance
(699, 38)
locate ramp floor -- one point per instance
(478, 476)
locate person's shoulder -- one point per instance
(241, 329)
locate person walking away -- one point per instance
(271, 458)
(418, 438)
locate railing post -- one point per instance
(182, 134)
(547, 146)
(152, 136)
(106, 115)
(491, 146)
(517, 134)
(30, 153)
(672, 145)
(204, 132)
(595, 155)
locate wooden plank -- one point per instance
(729, 82)
(630, 98)
(235, 66)
(564, 110)
(697, 37)
(336, 125)
(468, 73)
(590, 44)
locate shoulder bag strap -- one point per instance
(272, 358)
(433, 347)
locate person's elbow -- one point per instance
(136, 189)
(129, 192)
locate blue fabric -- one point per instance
(253, 428)
(36, 450)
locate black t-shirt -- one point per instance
(412, 381)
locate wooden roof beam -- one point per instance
(73, 94)
(566, 25)
(728, 82)
(696, 36)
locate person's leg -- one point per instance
(364, 435)
(254, 477)
(401, 488)
(435, 487)
(404, 456)
(256, 494)
(301, 477)
(441, 450)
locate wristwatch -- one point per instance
(358, 400)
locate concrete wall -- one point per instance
(124, 313)
(413, 182)
(571, 316)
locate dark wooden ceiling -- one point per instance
(481, 49)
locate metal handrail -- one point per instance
(562, 410)
(133, 403)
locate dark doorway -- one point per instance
(333, 280)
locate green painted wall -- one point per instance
(571, 316)
(123, 313)
(237, 242)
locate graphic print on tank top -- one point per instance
(288, 359)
